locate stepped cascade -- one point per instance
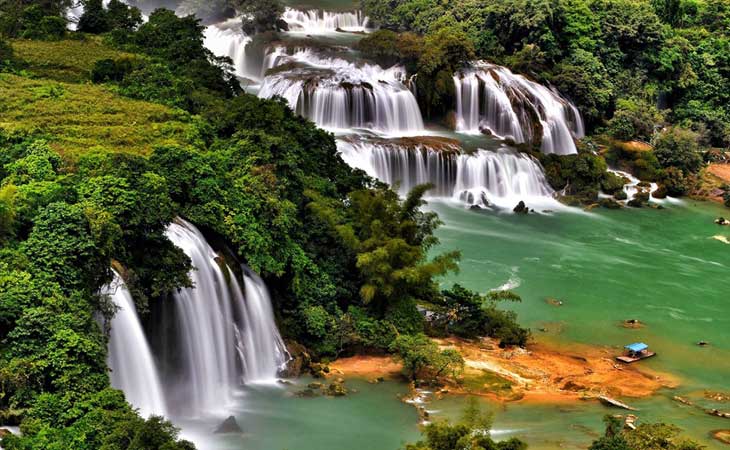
(225, 337)
(352, 97)
(314, 21)
(133, 368)
(492, 98)
(339, 94)
(501, 178)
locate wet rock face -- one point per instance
(521, 208)
(228, 426)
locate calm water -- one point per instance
(273, 418)
(662, 267)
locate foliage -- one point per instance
(471, 432)
(422, 359)
(468, 314)
(646, 437)
(390, 237)
(634, 119)
(680, 148)
(259, 15)
(115, 16)
(580, 175)
(87, 116)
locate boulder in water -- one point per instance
(521, 208)
(722, 221)
(620, 195)
(228, 426)
(660, 192)
(640, 199)
(282, 25)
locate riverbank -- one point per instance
(542, 372)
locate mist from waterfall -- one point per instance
(491, 97)
(316, 21)
(487, 178)
(133, 369)
(225, 337)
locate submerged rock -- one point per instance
(228, 426)
(722, 221)
(633, 323)
(521, 208)
(722, 436)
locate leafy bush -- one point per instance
(678, 147)
(422, 358)
(633, 119)
(471, 432)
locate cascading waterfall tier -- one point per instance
(337, 94)
(226, 337)
(227, 39)
(133, 368)
(501, 178)
(314, 21)
(491, 98)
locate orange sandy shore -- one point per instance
(721, 171)
(542, 373)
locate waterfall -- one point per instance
(315, 21)
(337, 94)
(226, 337)
(501, 178)
(260, 337)
(132, 366)
(492, 98)
(227, 39)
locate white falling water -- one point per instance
(500, 178)
(340, 95)
(133, 368)
(315, 21)
(260, 336)
(227, 39)
(225, 336)
(491, 97)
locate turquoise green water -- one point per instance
(273, 418)
(662, 267)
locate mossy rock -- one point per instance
(610, 203)
(620, 195)
(336, 389)
(660, 192)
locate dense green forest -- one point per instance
(109, 133)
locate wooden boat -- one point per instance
(635, 352)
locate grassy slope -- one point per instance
(54, 97)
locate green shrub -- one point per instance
(680, 148)
(633, 119)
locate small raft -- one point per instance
(635, 352)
